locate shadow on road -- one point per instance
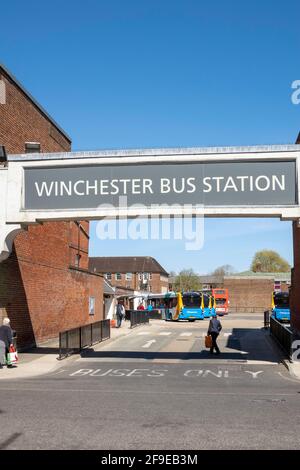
(89, 353)
(10, 440)
(242, 345)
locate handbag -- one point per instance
(208, 341)
(12, 356)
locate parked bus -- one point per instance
(281, 306)
(164, 304)
(209, 305)
(190, 306)
(221, 301)
(178, 306)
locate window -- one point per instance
(277, 286)
(145, 276)
(150, 276)
(128, 276)
(32, 147)
(108, 276)
(92, 306)
(140, 276)
(118, 276)
(77, 260)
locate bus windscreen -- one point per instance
(281, 301)
(191, 300)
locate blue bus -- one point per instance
(209, 305)
(281, 306)
(190, 306)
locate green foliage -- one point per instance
(187, 280)
(224, 270)
(268, 261)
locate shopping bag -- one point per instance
(208, 341)
(12, 356)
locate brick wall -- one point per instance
(22, 121)
(249, 293)
(40, 292)
(295, 288)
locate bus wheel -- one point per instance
(192, 320)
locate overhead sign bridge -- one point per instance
(210, 182)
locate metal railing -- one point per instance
(267, 314)
(246, 309)
(138, 317)
(155, 314)
(283, 335)
(73, 341)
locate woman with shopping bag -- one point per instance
(6, 342)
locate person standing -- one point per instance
(214, 329)
(141, 306)
(6, 340)
(120, 313)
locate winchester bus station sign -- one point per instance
(245, 182)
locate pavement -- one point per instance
(44, 359)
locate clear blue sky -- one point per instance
(149, 73)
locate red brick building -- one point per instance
(295, 288)
(140, 273)
(45, 285)
(248, 291)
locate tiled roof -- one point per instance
(125, 264)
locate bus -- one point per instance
(281, 306)
(208, 305)
(221, 301)
(190, 306)
(178, 306)
(164, 304)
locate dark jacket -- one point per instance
(6, 335)
(119, 310)
(214, 326)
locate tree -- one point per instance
(224, 270)
(187, 280)
(268, 261)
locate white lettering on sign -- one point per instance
(167, 185)
(105, 187)
(244, 183)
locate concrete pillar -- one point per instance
(295, 288)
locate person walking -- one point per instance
(120, 313)
(6, 340)
(214, 329)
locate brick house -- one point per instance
(45, 285)
(140, 273)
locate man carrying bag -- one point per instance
(214, 329)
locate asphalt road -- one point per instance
(157, 388)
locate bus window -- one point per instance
(192, 300)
